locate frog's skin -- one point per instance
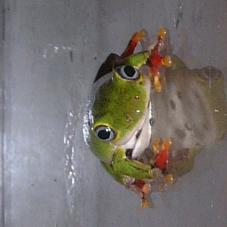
(124, 106)
(191, 110)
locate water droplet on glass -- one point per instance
(51, 50)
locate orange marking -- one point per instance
(162, 158)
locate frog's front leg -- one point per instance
(132, 168)
(122, 167)
(133, 174)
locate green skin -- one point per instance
(123, 116)
(184, 113)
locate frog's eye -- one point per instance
(128, 72)
(105, 133)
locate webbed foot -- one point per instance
(157, 61)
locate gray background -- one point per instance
(50, 52)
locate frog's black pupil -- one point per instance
(129, 71)
(104, 134)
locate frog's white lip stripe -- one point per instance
(143, 140)
(140, 139)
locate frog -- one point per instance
(150, 115)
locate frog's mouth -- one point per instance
(140, 139)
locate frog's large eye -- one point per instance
(105, 133)
(128, 72)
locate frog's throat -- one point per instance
(141, 137)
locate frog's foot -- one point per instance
(146, 202)
(144, 190)
(157, 61)
(169, 179)
(161, 149)
(133, 42)
(161, 152)
(145, 196)
(164, 181)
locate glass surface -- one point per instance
(50, 53)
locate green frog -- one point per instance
(150, 115)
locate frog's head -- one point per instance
(121, 100)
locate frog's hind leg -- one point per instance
(146, 43)
(212, 82)
(133, 42)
